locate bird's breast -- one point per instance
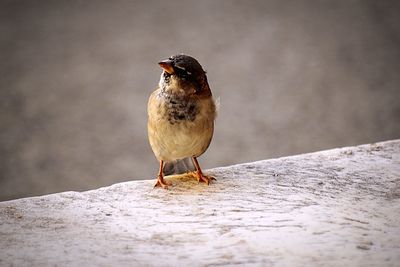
(179, 110)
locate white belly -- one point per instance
(177, 141)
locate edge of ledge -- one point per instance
(333, 151)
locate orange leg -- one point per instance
(200, 176)
(160, 178)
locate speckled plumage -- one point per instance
(179, 109)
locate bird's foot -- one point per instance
(161, 182)
(201, 178)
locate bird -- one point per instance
(181, 114)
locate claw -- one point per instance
(161, 182)
(160, 178)
(199, 174)
(201, 178)
(205, 178)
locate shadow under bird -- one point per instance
(181, 114)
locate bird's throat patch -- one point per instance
(180, 109)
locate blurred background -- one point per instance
(292, 77)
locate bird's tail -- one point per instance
(178, 166)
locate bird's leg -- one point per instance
(199, 174)
(160, 177)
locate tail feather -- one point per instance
(178, 166)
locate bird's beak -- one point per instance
(167, 66)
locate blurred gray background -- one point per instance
(292, 77)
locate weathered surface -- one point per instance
(339, 207)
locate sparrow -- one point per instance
(181, 114)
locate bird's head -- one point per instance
(183, 75)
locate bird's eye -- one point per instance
(182, 69)
(181, 72)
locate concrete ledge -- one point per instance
(338, 207)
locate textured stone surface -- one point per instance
(338, 207)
